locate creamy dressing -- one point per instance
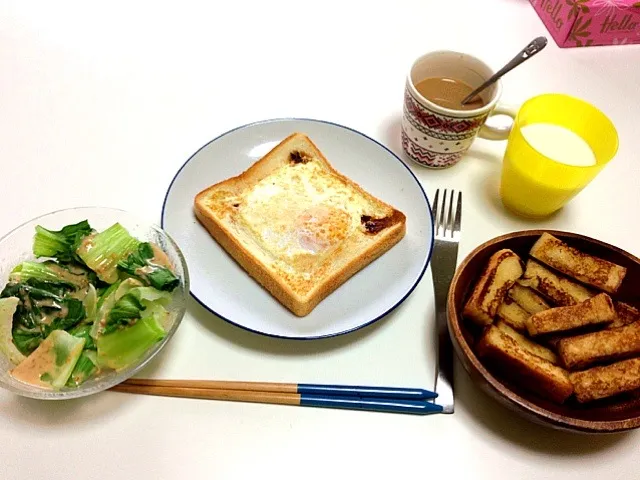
(144, 270)
(47, 302)
(75, 269)
(33, 367)
(48, 318)
(80, 294)
(160, 258)
(86, 244)
(51, 363)
(58, 311)
(80, 280)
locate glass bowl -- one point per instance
(15, 247)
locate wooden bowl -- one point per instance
(604, 416)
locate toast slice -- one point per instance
(502, 270)
(625, 315)
(602, 382)
(521, 366)
(528, 299)
(593, 311)
(513, 314)
(600, 347)
(590, 270)
(528, 344)
(561, 291)
(296, 225)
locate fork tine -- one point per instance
(434, 210)
(443, 219)
(457, 221)
(449, 227)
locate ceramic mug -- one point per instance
(437, 137)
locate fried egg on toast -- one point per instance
(296, 225)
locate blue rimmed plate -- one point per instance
(224, 288)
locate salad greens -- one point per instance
(124, 312)
(7, 309)
(86, 366)
(102, 251)
(61, 245)
(124, 346)
(139, 264)
(94, 301)
(52, 362)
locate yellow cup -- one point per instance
(534, 185)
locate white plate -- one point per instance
(223, 287)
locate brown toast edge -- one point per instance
(506, 313)
(606, 381)
(524, 367)
(607, 277)
(582, 351)
(386, 239)
(567, 319)
(530, 345)
(625, 315)
(472, 308)
(547, 284)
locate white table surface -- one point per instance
(101, 103)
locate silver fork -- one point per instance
(446, 224)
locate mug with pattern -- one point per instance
(436, 137)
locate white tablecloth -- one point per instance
(101, 103)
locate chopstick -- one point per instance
(380, 399)
(301, 388)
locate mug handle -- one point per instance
(499, 133)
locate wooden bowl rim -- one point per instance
(592, 426)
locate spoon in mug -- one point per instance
(536, 45)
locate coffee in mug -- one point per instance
(436, 128)
(449, 93)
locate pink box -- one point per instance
(583, 23)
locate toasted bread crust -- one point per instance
(602, 382)
(528, 344)
(528, 299)
(299, 302)
(513, 314)
(625, 315)
(604, 346)
(593, 311)
(585, 268)
(527, 369)
(562, 294)
(502, 270)
(561, 291)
